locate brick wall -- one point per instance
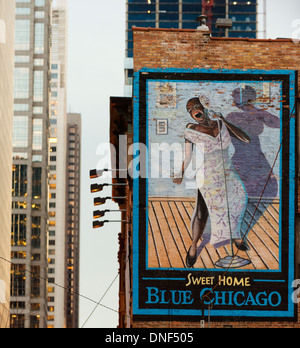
(189, 49)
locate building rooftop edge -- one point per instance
(212, 38)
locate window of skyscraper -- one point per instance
(17, 321)
(39, 38)
(141, 6)
(22, 35)
(22, 10)
(18, 277)
(36, 232)
(37, 137)
(37, 158)
(141, 13)
(38, 86)
(21, 107)
(168, 24)
(18, 230)
(21, 83)
(36, 183)
(35, 292)
(20, 131)
(36, 207)
(19, 180)
(242, 8)
(39, 3)
(39, 14)
(169, 15)
(38, 62)
(189, 6)
(142, 24)
(38, 110)
(143, 16)
(22, 59)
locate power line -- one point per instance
(66, 289)
(100, 301)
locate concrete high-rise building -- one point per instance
(7, 19)
(29, 226)
(73, 220)
(57, 167)
(182, 14)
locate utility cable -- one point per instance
(99, 302)
(65, 288)
(104, 296)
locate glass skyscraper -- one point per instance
(29, 226)
(45, 257)
(182, 14)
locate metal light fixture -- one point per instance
(99, 187)
(99, 201)
(102, 200)
(101, 213)
(94, 173)
(98, 224)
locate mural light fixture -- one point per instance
(101, 213)
(99, 224)
(102, 200)
(99, 187)
(99, 201)
(94, 173)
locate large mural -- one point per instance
(214, 195)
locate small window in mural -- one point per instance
(162, 127)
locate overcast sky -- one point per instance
(96, 60)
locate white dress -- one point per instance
(220, 186)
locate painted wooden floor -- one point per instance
(169, 235)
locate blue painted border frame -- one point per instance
(292, 202)
(147, 144)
